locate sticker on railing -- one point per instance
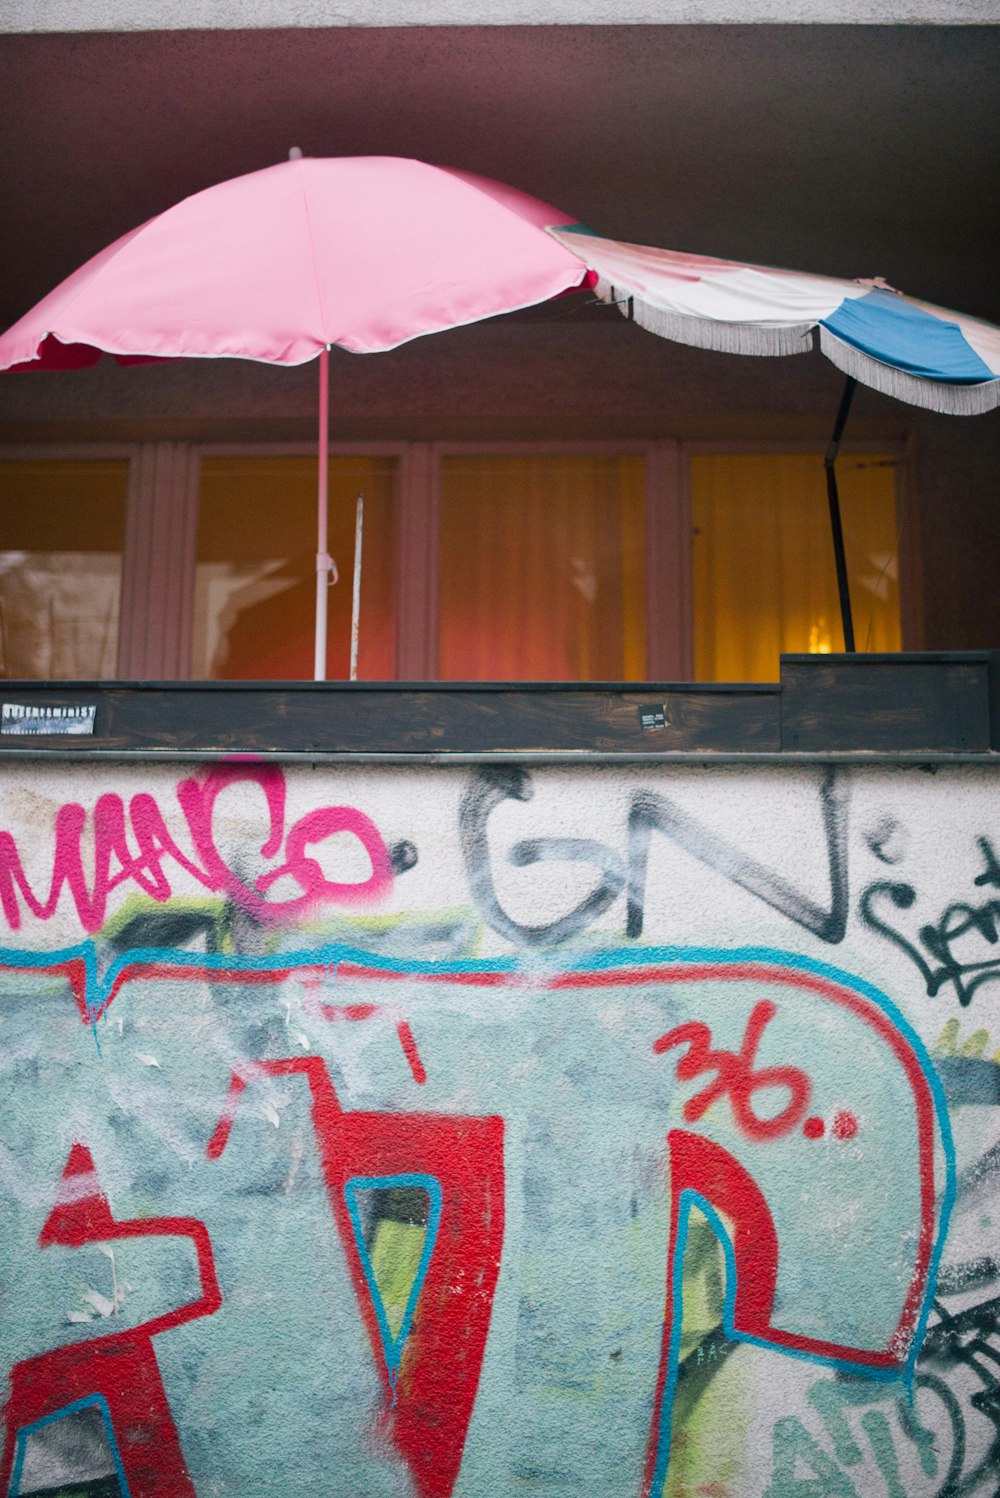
(16, 718)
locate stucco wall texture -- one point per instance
(474, 1131)
(158, 15)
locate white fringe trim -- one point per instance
(703, 332)
(933, 395)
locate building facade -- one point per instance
(427, 1089)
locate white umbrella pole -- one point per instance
(359, 525)
(325, 568)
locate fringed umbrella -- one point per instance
(921, 354)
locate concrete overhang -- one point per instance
(177, 15)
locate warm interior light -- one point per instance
(763, 574)
(60, 567)
(543, 573)
(255, 583)
(819, 638)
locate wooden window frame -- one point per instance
(135, 547)
(407, 476)
(667, 529)
(667, 534)
(159, 552)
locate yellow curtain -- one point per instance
(542, 568)
(255, 585)
(764, 575)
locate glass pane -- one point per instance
(764, 574)
(62, 524)
(255, 586)
(542, 569)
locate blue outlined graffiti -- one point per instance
(565, 982)
(394, 1343)
(92, 1401)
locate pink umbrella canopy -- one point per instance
(365, 252)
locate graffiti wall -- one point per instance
(583, 1133)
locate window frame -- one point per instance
(667, 607)
(97, 452)
(667, 526)
(404, 484)
(160, 542)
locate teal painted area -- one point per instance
(278, 1393)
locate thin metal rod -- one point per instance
(359, 526)
(839, 554)
(323, 559)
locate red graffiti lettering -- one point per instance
(119, 1371)
(429, 1397)
(735, 1075)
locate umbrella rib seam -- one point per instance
(300, 164)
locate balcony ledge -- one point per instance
(901, 709)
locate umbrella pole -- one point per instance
(324, 562)
(359, 523)
(833, 497)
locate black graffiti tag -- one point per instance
(936, 956)
(653, 813)
(486, 791)
(648, 813)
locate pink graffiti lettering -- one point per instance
(116, 861)
(314, 827)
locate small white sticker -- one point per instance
(16, 718)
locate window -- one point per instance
(764, 580)
(62, 524)
(586, 561)
(542, 568)
(255, 578)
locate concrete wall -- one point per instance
(581, 1132)
(159, 15)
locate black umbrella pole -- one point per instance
(837, 529)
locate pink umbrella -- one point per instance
(365, 252)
